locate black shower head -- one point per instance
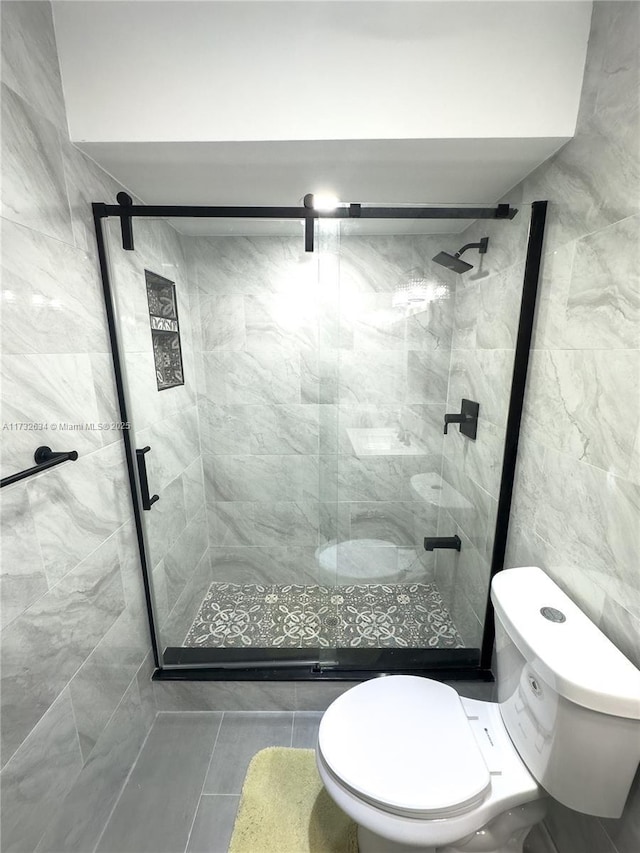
(454, 262)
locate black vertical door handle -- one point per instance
(147, 502)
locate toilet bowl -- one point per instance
(421, 769)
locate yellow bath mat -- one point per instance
(284, 808)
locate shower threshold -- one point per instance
(291, 616)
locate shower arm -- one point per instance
(481, 247)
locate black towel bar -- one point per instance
(44, 458)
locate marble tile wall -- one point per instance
(76, 693)
(300, 352)
(576, 505)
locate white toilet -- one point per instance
(422, 770)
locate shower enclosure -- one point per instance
(321, 428)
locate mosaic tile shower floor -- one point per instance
(292, 616)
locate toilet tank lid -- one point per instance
(573, 655)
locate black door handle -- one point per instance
(147, 502)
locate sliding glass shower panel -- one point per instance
(287, 412)
(392, 365)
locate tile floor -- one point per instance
(294, 616)
(184, 789)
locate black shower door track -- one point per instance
(355, 664)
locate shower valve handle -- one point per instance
(468, 419)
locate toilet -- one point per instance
(421, 769)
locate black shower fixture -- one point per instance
(453, 262)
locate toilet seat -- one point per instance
(404, 745)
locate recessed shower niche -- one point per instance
(165, 331)
(302, 461)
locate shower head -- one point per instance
(454, 262)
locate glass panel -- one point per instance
(416, 338)
(302, 461)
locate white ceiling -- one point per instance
(261, 102)
(399, 171)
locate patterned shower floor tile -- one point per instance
(293, 616)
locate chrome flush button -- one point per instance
(552, 614)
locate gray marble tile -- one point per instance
(247, 265)
(622, 628)
(285, 523)
(472, 573)
(145, 689)
(44, 311)
(387, 520)
(285, 321)
(33, 184)
(193, 484)
(223, 322)
(465, 317)
(468, 505)
(86, 183)
(605, 532)
(550, 320)
(499, 308)
(104, 385)
(603, 309)
(305, 729)
(170, 769)
(56, 635)
(232, 523)
(575, 403)
(166, 520)
(181, 616)
(282, 429)
(377, 478)
(60, 391)
(262, 376)
(529, 479)
(130, 566)
(427, 376)
(143, 397)
(129, 292)
(317, 696)
(87, 497)
(225, 429)
(23, 575)
(576, 833)
(483, 376)
(240, 737)
(253, 478)
(224, 696)
(252, 564)
(175, 445)
(100, 683)
(373, 377)
(625, 832)
(588, 182)
(213, 824)
(87, 807)
(30, 59)
(39, 776)
(181, 560)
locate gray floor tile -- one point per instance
(305, 729)
(156, 809)
(213, 825)
(241, 736)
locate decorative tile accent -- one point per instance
(292, 616)
(165, 332)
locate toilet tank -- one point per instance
(569, 698)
